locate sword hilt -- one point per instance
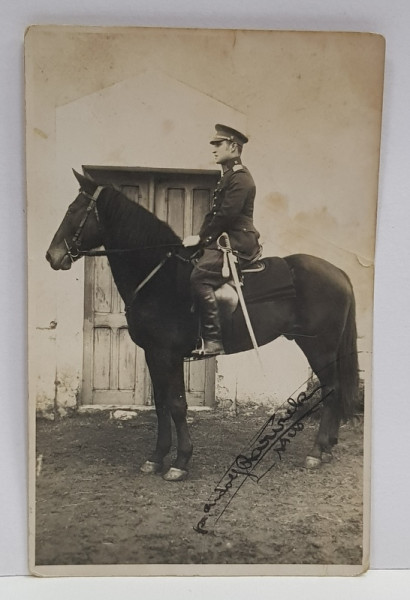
(224, 245)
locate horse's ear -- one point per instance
(86, 183)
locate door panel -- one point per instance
(102, 352)
(115, 371)
(201, 202)
(138, 194)
(170, 206)
(103, 285)
(126, 359)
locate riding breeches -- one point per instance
(208, 271)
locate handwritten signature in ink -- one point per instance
(274, 436)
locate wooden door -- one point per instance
(115, 372)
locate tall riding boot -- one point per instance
(210, 322)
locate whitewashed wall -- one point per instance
(308, 108)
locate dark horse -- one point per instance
(321, 318)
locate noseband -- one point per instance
(73, 251)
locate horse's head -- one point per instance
(80, 229)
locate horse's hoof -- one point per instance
(150, 468)
(312, 462)
(327, 457)
(174, 474)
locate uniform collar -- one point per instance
(230, 164)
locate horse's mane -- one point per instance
(130, 224)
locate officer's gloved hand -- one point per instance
(191, 240)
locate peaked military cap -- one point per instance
(223, 132)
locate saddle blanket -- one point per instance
(274, 282)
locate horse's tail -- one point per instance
(348, 364)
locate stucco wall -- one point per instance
(151, 99)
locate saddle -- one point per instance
(265, 280)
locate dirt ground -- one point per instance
(95, 507)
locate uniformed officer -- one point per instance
(231, 212)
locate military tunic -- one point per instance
(231, 212)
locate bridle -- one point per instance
(77, 252)
(73, 250)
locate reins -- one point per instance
(148, 278)
(109, 251)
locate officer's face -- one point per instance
(224, 151)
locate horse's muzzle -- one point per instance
(62, 263)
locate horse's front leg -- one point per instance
(169, 394)
(155, 461)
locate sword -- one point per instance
(227, 249)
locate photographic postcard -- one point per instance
(143, 459)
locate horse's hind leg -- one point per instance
(330, 419)
(324, 366)
(178, 408)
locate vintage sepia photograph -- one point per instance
(201, 216)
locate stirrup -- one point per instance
(198, 352)
(208, 348)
